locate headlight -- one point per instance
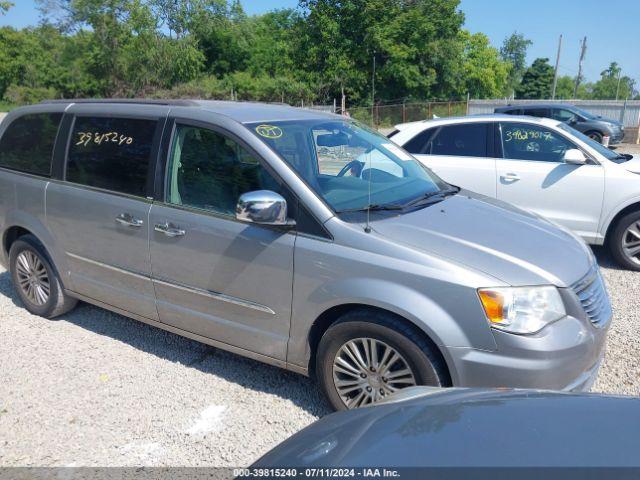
(522, 309)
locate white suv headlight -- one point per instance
(522, 309)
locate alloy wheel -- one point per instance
(631, 242)
(365, 370)
(33, 279)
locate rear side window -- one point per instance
(464, 140)
(111, 153)
(27, 144)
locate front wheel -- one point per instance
(36, 280)
(368, 355)
(624, 242)
(597, 136)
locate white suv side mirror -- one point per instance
(573, 156)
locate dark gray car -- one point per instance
(593, 126)
(473, 428)
(297, 238)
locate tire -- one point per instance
(389, 332)
(48, 304)
(621, 241)
(597, 136)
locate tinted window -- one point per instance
(513, 111)
(522, 141)
(210, 171)
(27, 144)
(537, 112)
(111, 153)
(465, 140)
(563, 115)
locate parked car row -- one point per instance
(541, 165)
(305, 240)
(595, 127)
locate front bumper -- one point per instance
(616, 137)
(565, 355)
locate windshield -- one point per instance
(584, 113)
(601, 149)
(350, 166)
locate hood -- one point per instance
(632, 165)
(472, 428)
(493, 237)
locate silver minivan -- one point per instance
(295, 237)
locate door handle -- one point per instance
(169, 229)
(129, 220)
(510, 177)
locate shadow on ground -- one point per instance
(248, 373)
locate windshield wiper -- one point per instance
(432, 196)
(373, 208)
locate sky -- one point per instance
(611, 28)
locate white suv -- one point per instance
(541, 165)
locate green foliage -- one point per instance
(536, 81)
(484, 73)
(5, 6)
(212, 49)
(613, 84)
(514, 52)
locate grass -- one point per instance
(6, 107)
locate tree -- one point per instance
(485, 74)
(613, 84)
(536, 81)
(5, 6)
(514, 51)
(415, 45)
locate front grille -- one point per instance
(594, 298)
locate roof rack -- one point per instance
(142, 101)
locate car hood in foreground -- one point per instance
(633, 165)
(493, 237)
(472, 428)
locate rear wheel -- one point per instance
(35, 279)
(367, 355)
(624, 242)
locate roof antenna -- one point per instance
(367, 229)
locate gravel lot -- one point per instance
(96, 389)
(93, 388)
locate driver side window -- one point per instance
(209, 171)
(522, 141)
(563, 115)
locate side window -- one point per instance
(27, 143)
(210, 171)
(111, 153)
(523, 141)
(562, 115)
(537, 112)
(464, 140)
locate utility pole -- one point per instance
(583, 50)
(555, 75)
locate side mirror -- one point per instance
(263, 207)
(573, 156)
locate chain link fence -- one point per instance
(386, 116)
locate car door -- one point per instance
(99, 213)
(533, 175)
(213, 275)
(460, 154)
